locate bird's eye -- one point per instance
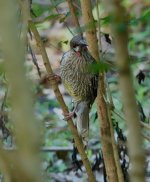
(74, 46)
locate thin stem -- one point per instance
(99, 27)
(110, 107)
(74, 16)
(64, 21)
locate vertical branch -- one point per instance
(63, 106)
(99, 26)
(74, 16)
(105, 129)
(115, 149)
(107, 147)
(23, 164)
(110, 109)
(119, 30)
(90, 28)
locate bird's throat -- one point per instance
(78, 53)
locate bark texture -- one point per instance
(107, 147)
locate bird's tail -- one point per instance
(82, 113)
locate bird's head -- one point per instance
(78, 44)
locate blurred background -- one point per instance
(54, 23)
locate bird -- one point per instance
(80, 82)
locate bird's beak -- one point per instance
(83, 42)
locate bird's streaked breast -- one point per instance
(76, 77)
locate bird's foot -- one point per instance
(54, 77)
(69, 115)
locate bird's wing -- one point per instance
(94, 78)
(63, 57)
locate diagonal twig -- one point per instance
(63, 106)
(74, 16)
(34, 59)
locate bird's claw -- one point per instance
(68, 115)
(53, 77)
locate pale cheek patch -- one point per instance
(76, 49)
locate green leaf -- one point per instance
(52, 17)
(99, 67)
(106, 20)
